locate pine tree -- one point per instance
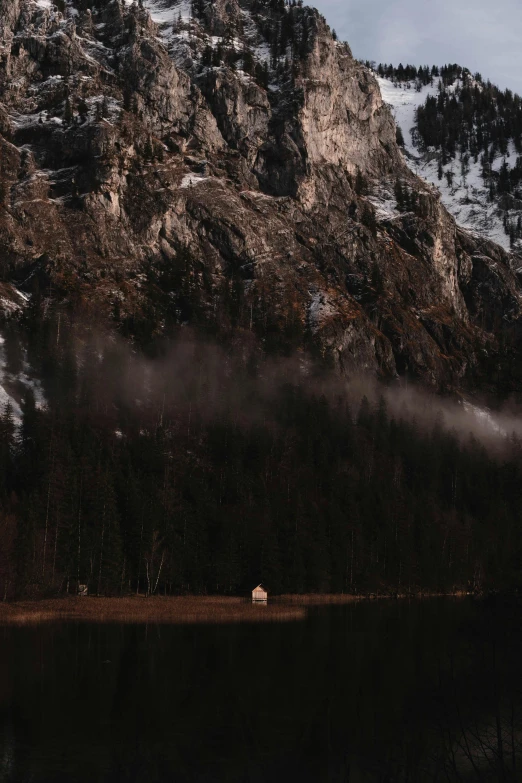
(68, 115)
(7, 450)
(368, 218)
(361, 184)
(399, 195)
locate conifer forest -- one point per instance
(198, 467)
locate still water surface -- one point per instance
(373, 691)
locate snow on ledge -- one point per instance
(190, 180)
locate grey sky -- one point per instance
(483, 35)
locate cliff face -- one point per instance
(233, 166)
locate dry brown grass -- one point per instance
(175, 610)
(158, 609)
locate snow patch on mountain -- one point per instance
(404, 100)
(169, 15)
(320, 310)
(385, 205)
(12, 388)
(165, 12)
(189, 180)
(461, 187)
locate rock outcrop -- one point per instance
(235, 167)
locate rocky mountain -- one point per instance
(228, 169)
(229, 164)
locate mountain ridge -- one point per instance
(159, 189)
(189, 210)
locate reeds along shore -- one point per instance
(157, 609)
(173, 609)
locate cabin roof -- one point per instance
(260, 587)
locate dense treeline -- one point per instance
(206, 470)
(406, 73)
(474, 117)
(422, 75)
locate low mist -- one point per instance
(238, 381)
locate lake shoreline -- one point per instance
(175, 610)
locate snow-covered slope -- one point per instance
(462, 187)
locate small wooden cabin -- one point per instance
(259, 595)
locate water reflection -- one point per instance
(382, 691)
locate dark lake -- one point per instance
(373, 691)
